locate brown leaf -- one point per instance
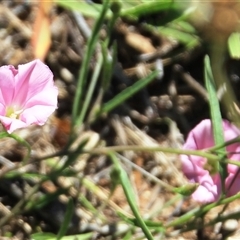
(41, 38)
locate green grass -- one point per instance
(133, 221)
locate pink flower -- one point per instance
(201, 137)
(27, 95)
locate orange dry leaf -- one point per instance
(41, 37)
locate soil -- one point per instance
(161, 114)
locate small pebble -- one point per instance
(230, 225)
(66, 75)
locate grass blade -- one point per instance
(214, 104)
(130, 195)
(216, 119)
(128, 92)
(234, 45)
(67, 220)
(83, 73)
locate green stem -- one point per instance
(218, 53)
(91, 88)
(200, 211)
(83, 73)
(106, 150)
(129, 193)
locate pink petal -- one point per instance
(37, 114)
(209, 189)
(11, 124)
(193, 167)
(7, 86)
(201, 137)
(230, 131)
(29, 89)
(2, 109)
(32, 78)
(47, 97)
(232, 184)
(40, 107)
(205, 195)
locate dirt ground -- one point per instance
(159, 115)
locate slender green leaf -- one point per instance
(214, 104)
(50, 236)
(135, 9)
(130, 194)
(234, 45)
(83, 73)
(109, 62)
(43, 236)
(67, 220)
(216, 122)
(188, 39)
(15, 174)
(128, 92)
(149, 8)
(128, 236)
(90, 90)
(90, 10)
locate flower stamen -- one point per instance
(13, 112)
